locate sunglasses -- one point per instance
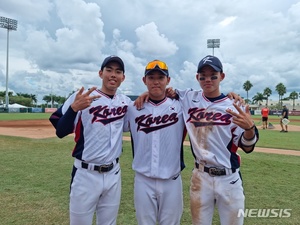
(156, 63)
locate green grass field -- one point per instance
(295, 120)
(24, 116)
(35, 177)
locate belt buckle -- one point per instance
(212, 171)
(103, 167)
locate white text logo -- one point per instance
(264, 213)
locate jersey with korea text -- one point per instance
(213, 135)
(99, 128)
(157, 132)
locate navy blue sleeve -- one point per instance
(63, 123)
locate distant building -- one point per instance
(288, 103)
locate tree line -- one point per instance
(260, 96)
(30, 100)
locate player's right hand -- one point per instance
(237, 99)
(171, 93)
(83, 100)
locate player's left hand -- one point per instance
(139, 102)
(241, 118)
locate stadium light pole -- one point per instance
(8, 24)
(213, 43)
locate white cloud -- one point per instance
(62, 43)
(152, 43)
(227, 21)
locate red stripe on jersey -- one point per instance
(235, 160)
(77, 131)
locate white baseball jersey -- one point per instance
(214, 137)
(157, 133)
(98, 128)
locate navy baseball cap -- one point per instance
(212, 61)
(113, 58)
(158, 66)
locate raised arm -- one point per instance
(64, 121)
(243, 119)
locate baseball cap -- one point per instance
(158, 66)
(113, 58)
(212, 61)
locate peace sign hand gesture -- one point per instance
(83, 101)
(243, 120)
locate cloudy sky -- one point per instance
(60, 45)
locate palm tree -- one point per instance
(33, 97)
(267, 93)
(294, 95)
(258, 98)
(59, 99)
(247, 86)
(281, 90)
(47, 99)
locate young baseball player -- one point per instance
(96, 117)
(217, 127)
(157, 133)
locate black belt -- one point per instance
(214, 171)
(102, 168)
